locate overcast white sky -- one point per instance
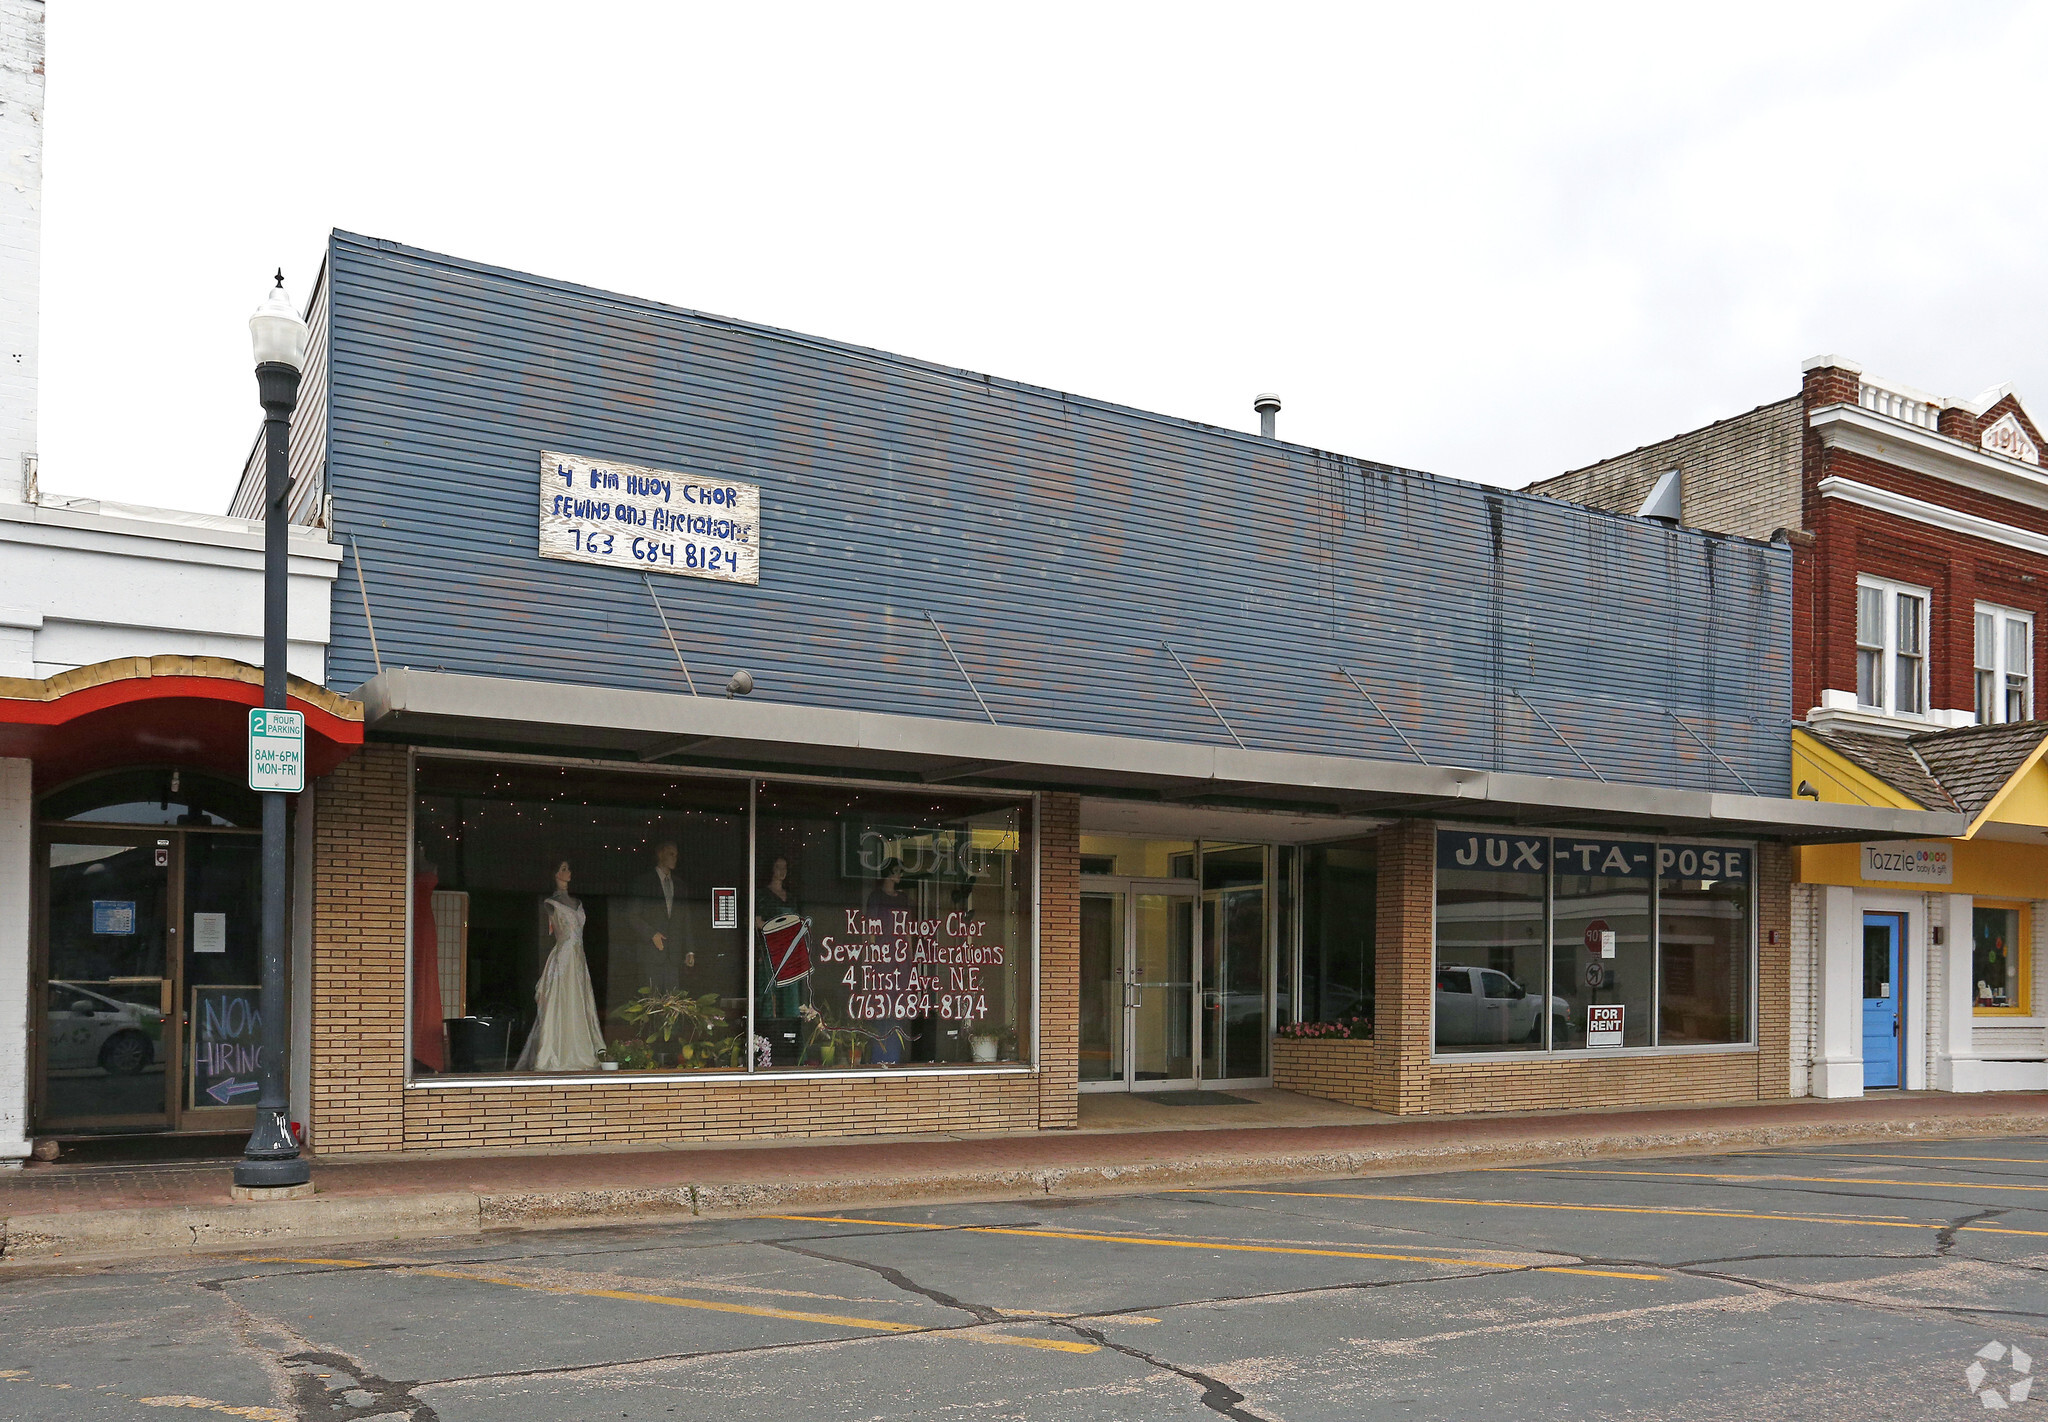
(1493, 242)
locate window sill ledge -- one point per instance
(709, 1078)
(1537, 1056)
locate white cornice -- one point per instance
(1860, 431)
(1933, 515)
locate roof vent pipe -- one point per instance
(1667, 499)
(1268, 405)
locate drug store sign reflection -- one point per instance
(649, 520)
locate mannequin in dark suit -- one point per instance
(662, 956)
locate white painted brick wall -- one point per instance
(1805, 946)
(16, 806)
(21, 231)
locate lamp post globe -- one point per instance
(276, 331)
(277, 336)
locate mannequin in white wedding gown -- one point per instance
(566, 1035)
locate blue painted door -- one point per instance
(1884, 945)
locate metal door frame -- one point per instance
(1130, 888)
(140, 837)
(176, 1116)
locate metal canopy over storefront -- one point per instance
(652, 727)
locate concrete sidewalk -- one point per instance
(58, 1214)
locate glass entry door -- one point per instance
(150, 1004)
(1139, 953)
(109, 992)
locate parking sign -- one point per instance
(277, 750)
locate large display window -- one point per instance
(1641, 943)
(1490, 948)
(571, 919)
(2001, 963)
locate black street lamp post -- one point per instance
(271, 1158)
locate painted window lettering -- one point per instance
(1486, 851)
(1700, 862)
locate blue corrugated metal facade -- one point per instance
(1061, 542)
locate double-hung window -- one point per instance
(1891, 647)
(2005, 665)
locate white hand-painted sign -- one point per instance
(653, 520)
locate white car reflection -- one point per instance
(1479, 1005)
(89, 1029)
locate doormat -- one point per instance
(1198, 1098)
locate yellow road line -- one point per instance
(835, 1320)
(1159, 1243)
(1738, 1175)
(1890, 1155)
(1874, 1222)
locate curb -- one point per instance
(97, 1235)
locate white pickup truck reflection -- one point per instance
(1475, 1006)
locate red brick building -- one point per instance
(1919, 530)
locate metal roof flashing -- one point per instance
(646, 728)
(1248, 441)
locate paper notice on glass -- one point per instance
(1603, 1025)
(209, 933)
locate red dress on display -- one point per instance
(429, 1039)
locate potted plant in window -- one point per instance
(839, 1042)
(695, 1028)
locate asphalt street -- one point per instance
(1883, 1281)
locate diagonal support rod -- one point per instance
(1562, 741)
(1203, 694)
(687, 679)
(1395, 725)
(1711, 751)
(947, 643)
(364, 588)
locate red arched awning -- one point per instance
(161, 711)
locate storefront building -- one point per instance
(1918, 528)
(767, 737)
(127, 849)
(1927, 955)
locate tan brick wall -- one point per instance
(1741, 475)
(1404, 977)
(358, 1014)
(1335, 1069)
(601, 1112)
(359, 1103)
(1394, 1073)
(1059, 962)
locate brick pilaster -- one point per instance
(1404, 979)
(1775, 871)
(358, 1016)
(1059, 962)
